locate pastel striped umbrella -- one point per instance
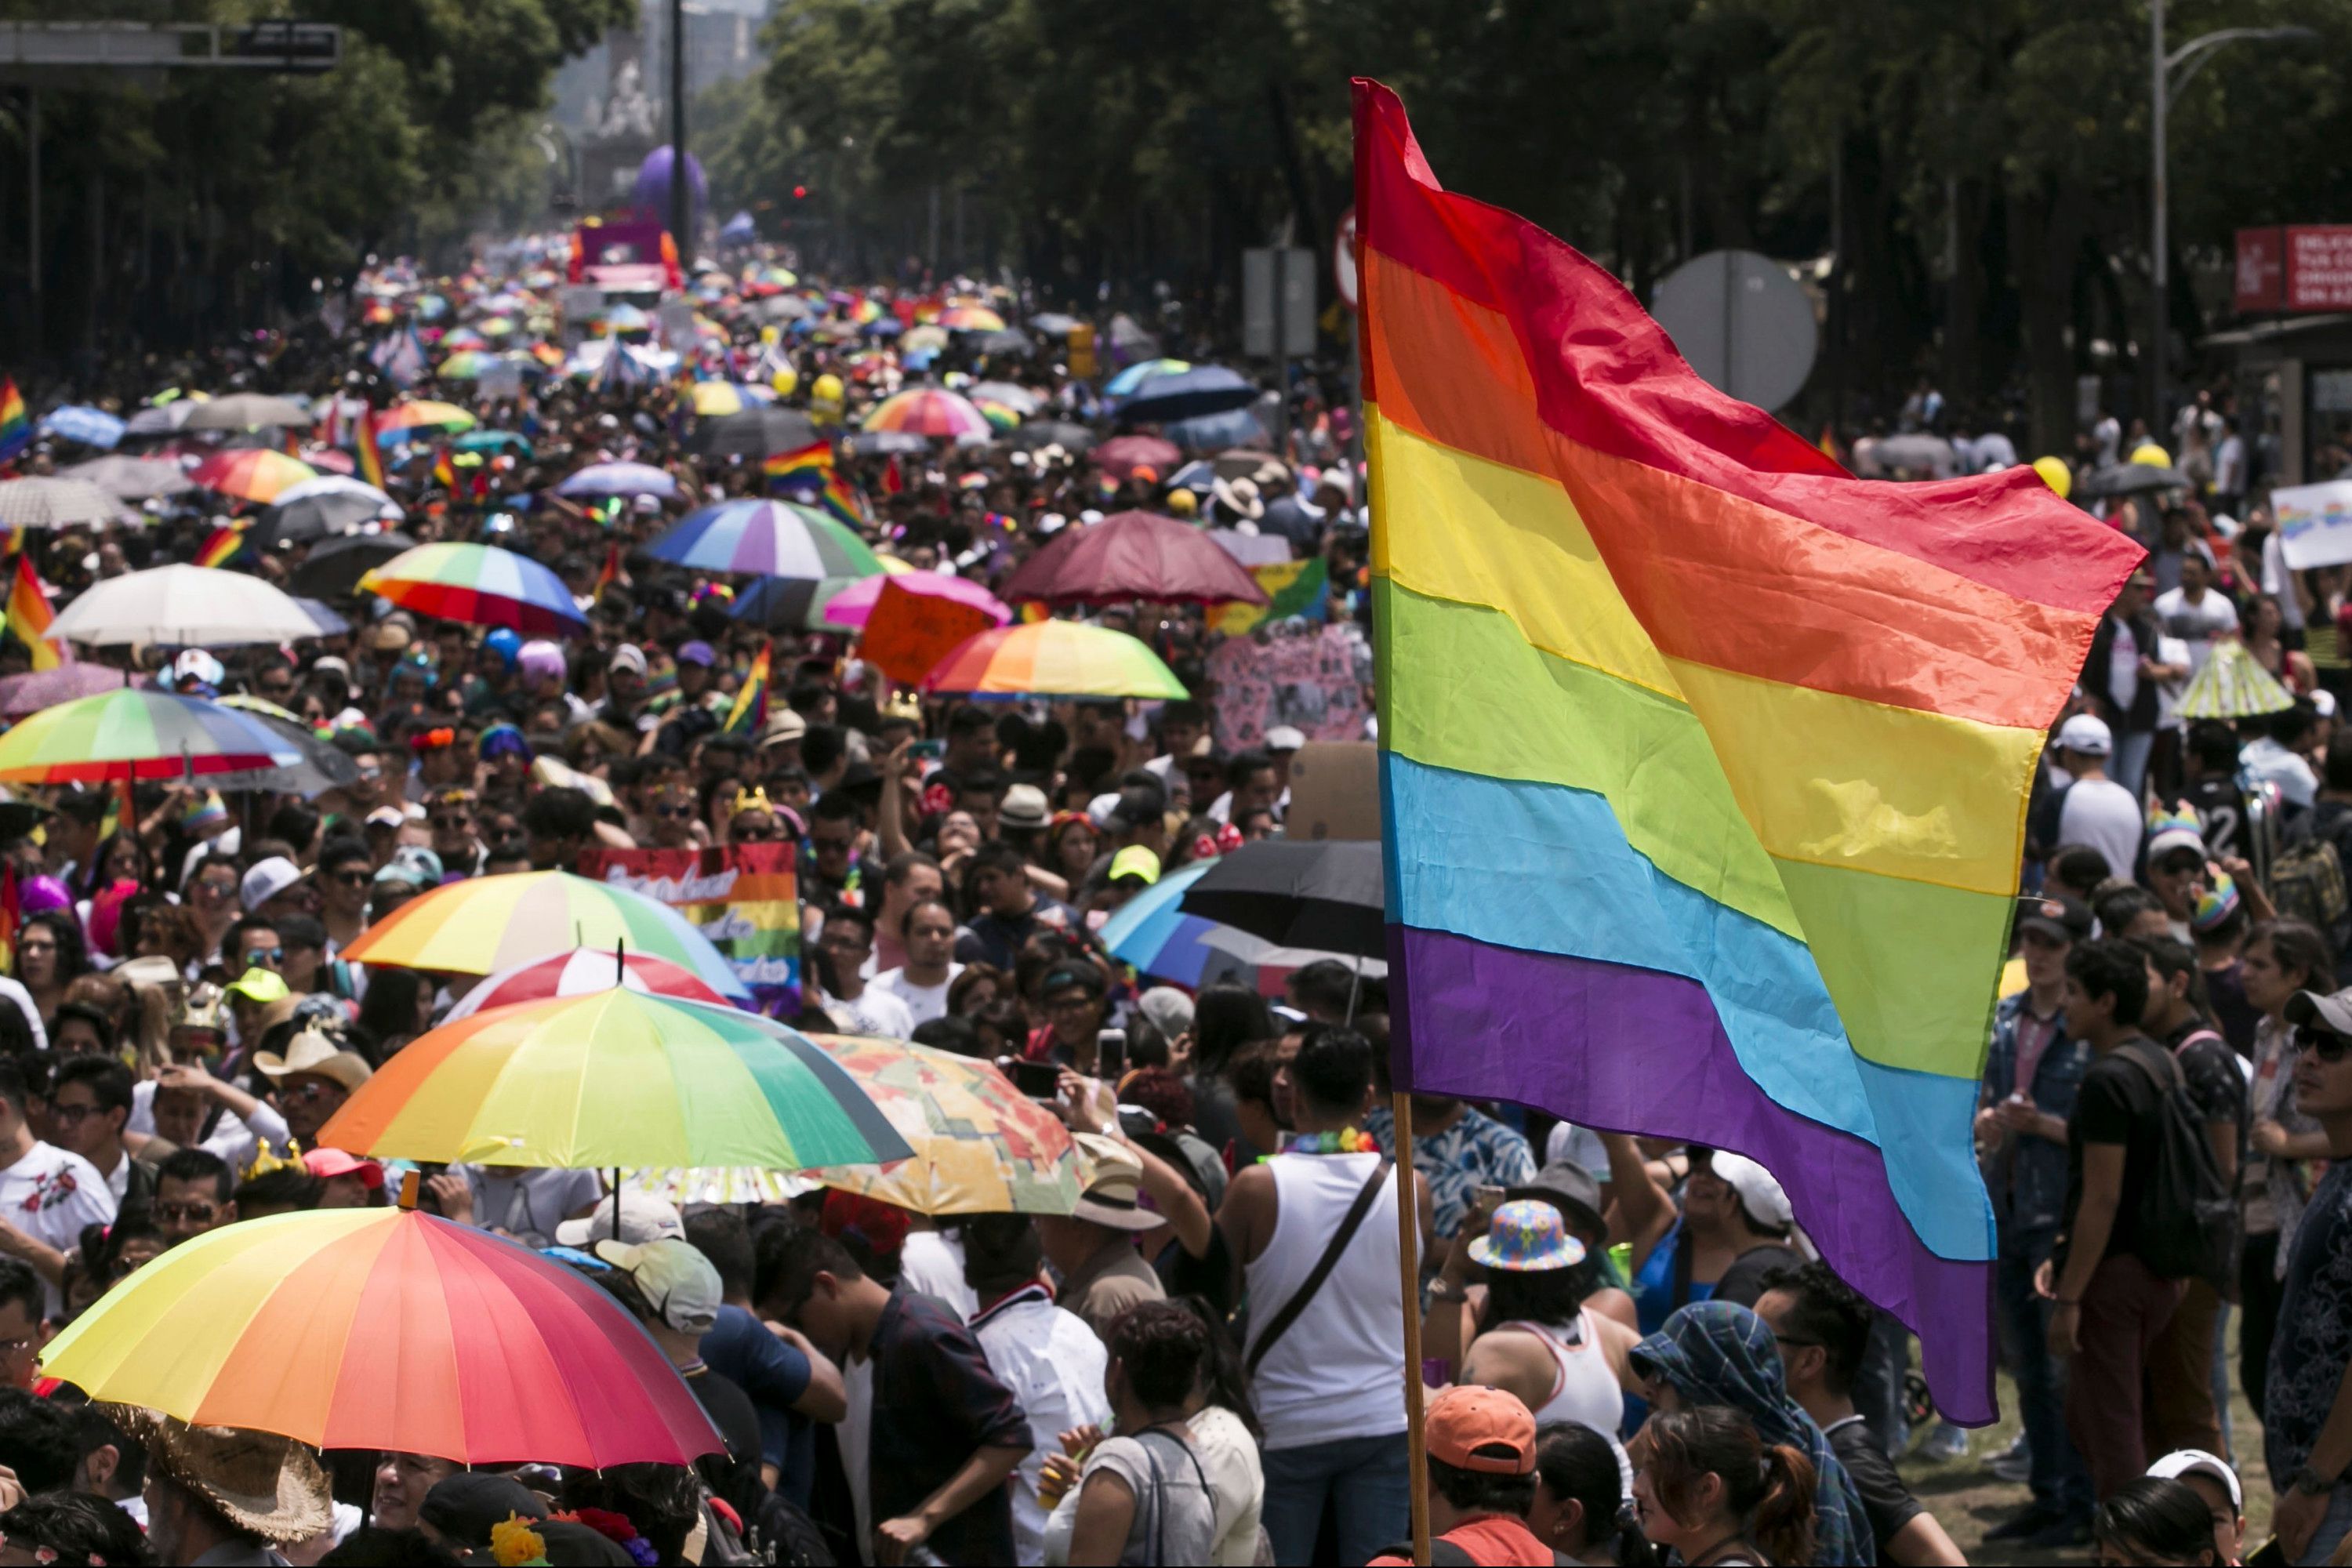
(480, 584)
(385, 1328)
(1054, 658)
(2234, 686)
(769, 538)
(616, 1077)
(251, 473)
(928, 411)
(584, 970)
(971, 319)
(142, 733)
(854, 606)
(483, 925)
(619, 479)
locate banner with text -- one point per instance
(745, 898)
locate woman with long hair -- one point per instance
(51, 956)
(1225, 1017)
(1711, 1488)
(1716, 1353)
(1582, 1508)
(2155, 1520)
(2281, 957)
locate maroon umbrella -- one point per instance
(1133, 556)
(1122, 455)
(23, 694)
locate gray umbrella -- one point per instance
(760, 431)
(1053, 323)
(246, 411)
(44, 503)
(130, 478)
(324, 766)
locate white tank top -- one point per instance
(1583, 1388)
(1339, 1370)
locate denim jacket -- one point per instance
(2026, 1176)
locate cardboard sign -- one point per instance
(1335, 790)
(908, 633)
(1312, 678)
(745, 898)
(2314, 524)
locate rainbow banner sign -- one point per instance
(2314, 523)
(745, 897)
(1705, 763)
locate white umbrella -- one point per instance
(184, 606)
(248, 411)
(45, 502)
(335, 485)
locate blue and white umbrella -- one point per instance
(78, 421)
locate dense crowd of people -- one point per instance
(1631, 1354)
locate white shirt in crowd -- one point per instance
(1054, 1364)
(232, 1138)
(877, 1013)
(2103, 814)
(924, 1003)
(49, 1196)
(2197, 625)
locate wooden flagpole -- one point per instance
(1409, 1279)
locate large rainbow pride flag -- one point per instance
(1705, 763)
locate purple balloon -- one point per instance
(653, 183)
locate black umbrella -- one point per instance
(2129, 480)
(1328, 894)
(1052, 432)
(333, 570)
(758, 432)
(323, 514)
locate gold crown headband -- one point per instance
(751, 800)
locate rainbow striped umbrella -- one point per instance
(251, 473)
(928, 411)
(146, 734)
(465, 364)
(971, 319)
(384, 1328)
(477, 584)
(1054, 658)
(1000, 416)
(770, 538)
(427, 416)
(487, 924)
(616, 1077)
(584, 970)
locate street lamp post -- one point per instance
(681, 195)
(2168, 76)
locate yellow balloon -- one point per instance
(2153, 455)
(827, 388)
(2056, 475)
(784, 380)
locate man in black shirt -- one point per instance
(1823, 1329)
(674, 1292)
(2110, 1305)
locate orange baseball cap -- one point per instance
(1482, 1429)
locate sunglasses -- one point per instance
(451, 823)
(2326, 1044)
(270, 955)
(306, 1091)
(354, 879)
(757, 834)
(679, 812)
(198, 1213)
(833, 846)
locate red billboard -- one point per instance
(2299, 266)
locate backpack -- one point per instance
(2307, 883)
(2188, 1216)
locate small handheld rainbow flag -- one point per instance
(750, 709)
(29, 616)
(809, 470)
(611, 571)
(15, 424)
(225, 545)
(443, 474)
(371, 455)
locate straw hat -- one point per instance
(264, 1484)
(312, 1052)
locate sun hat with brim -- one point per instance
(1113, 1198)
(1527, 1235)
(312, 1052)
(264, 1484)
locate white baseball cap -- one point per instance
(2087, 733)
(676, 1281)
(644, 1218)
(1760, 1192)
(2197, 1461)
(266, 880)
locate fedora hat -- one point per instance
(1114, 1186)
(264, 1484)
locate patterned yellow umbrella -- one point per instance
(2233, 686)
(981, 1146)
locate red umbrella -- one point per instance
(1134, 555)
(1122, 455)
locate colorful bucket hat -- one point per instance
(1526, 1236)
